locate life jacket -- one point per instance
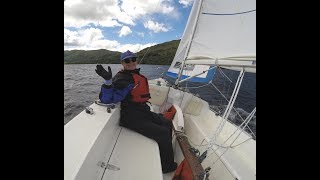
(140, 92)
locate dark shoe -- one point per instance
(171, 168)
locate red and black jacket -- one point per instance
(127, 86)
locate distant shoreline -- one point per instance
(160, 54)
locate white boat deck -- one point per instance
(108, 151)
(134, 157)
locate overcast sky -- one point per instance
(121, 25)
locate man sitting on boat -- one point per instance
(132, 89)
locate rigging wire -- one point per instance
(223, 74)
(156, 7)
(230, 146)
(244, 124)
(233, 109)
(194, 87)
(144, 55)
(210, 82)
(219, 157)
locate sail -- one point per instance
(218, 32)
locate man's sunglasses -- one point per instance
(133, 59)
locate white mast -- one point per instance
(189, 43)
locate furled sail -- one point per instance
(220, 33)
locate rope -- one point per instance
(183, 134)
(111, 152)
(144, 55)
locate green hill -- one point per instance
(101, 56)
(161, 54)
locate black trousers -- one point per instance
(151, 125)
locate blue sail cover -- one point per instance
(204, 78)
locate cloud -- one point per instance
(140, 34)
(155, 26)
(138, 8)
(92, 38)
(87, 39)
(79, 13)
(85, 19)
(133, 47)
(186, 3)
(125, 30)
(108, 22)
(110, 13)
